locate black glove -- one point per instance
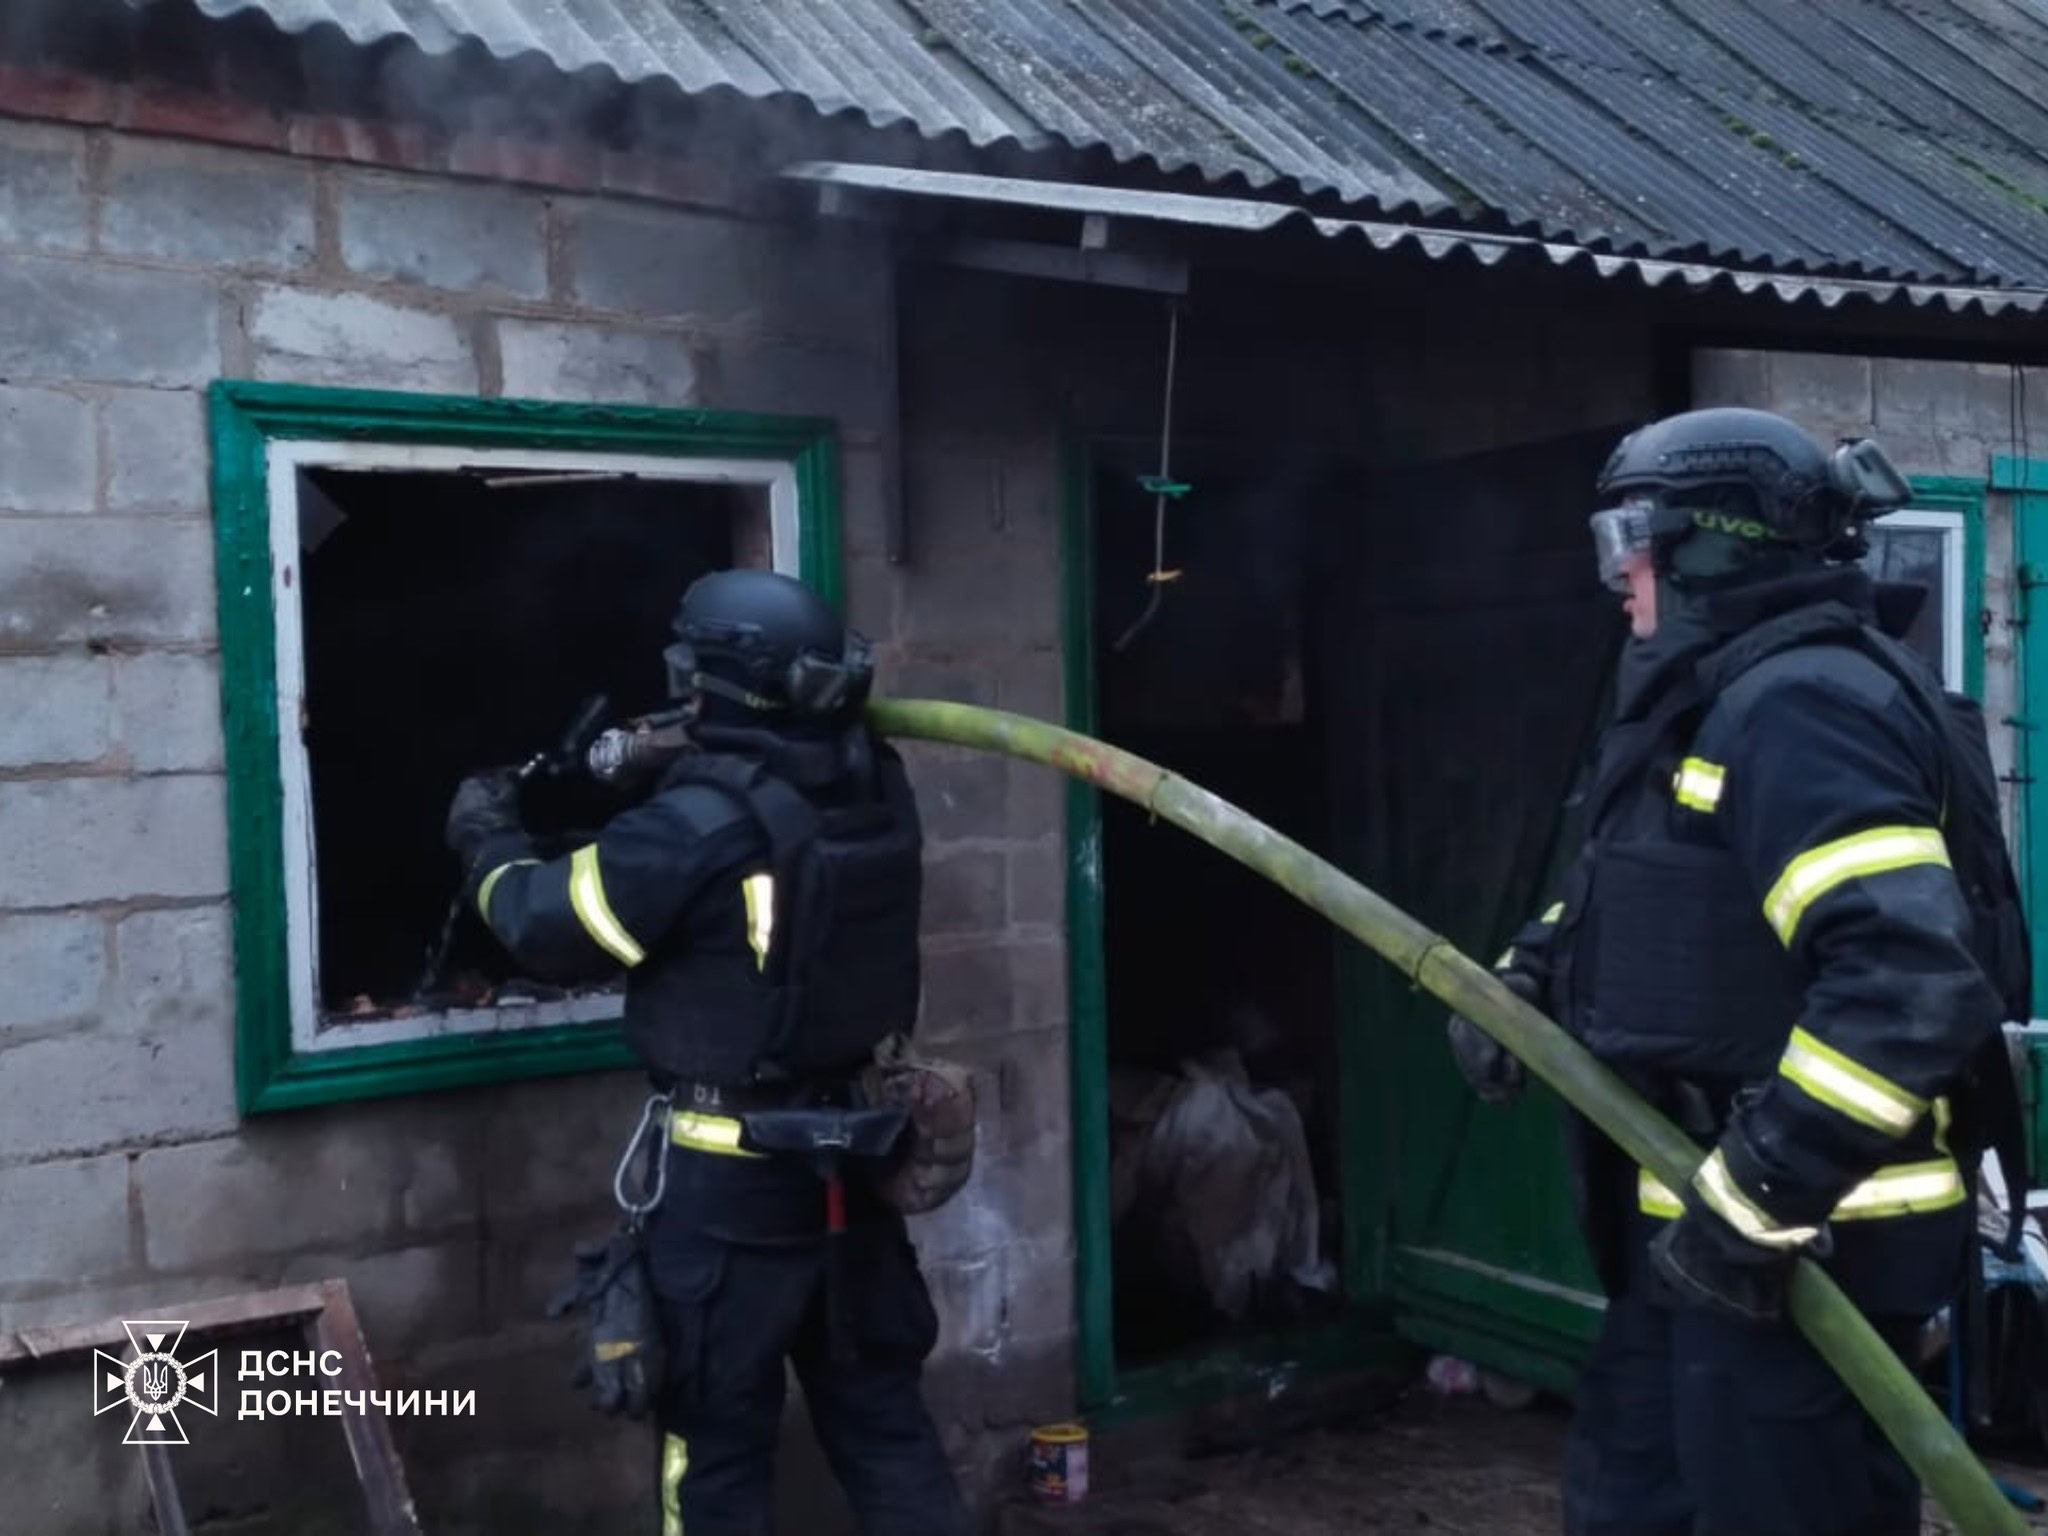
(1494, 1072)
(613, 1288)
(1708, 1264)
(485, 805)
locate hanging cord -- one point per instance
(1162, 486)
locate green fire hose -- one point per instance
(1936, 1452)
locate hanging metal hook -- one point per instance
(654, 1118)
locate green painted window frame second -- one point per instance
(262, 432)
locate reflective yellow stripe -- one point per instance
(1899, 1190)
(675, 1461)
(1819, 870)
(707, 1133)
(614, 1349)
(1556, 911)
(1849, 1086)
(586, 895)
(483, 892)
(1507, 958)
(760, 893)
(1943, 1116)
(1904, 1188)
(1698, 784)
(1717, 1187)
(1655, 1196)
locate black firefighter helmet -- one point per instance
(770, 645)
(1717, 493)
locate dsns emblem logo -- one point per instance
(155, 1384)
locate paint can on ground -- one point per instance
(1059, 1463)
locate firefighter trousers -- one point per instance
(1693, 1424)
(732, 1315)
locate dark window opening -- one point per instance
(1220, 986)
(450, 624)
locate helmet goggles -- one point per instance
(1620, 532)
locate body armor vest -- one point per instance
(806, 961)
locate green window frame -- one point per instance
(260, 433)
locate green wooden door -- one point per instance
(1468, 649)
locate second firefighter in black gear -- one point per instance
(763, 903)
(1764, 934)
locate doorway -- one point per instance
(1211, 1202)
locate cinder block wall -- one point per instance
(132, 272)
(1933, 418)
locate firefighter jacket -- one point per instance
(1762, 932)
(763, 905)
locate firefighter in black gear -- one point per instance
(1763, 933)
(763, 903)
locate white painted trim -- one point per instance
(285, 458)
(1951, 525)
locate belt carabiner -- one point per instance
(654, 1117)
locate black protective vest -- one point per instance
(1674, 968)
(839, 927)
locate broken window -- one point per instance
(449, 583)
(455, 620)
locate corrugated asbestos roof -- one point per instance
(1904, 140)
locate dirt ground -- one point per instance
(1445, 1465)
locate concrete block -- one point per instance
(407, 1298)
(156, 451)
(521, 1271)
(65, 1221)
(913, 677)
(765, 374)
(104, 1086)
(977, 586)
(873, 589)
(1969, 454)
(350, 339)
(177, 981)
(43, 200)
(966, 992)
(54, 710)
(118, 581)
(444, 236)
(669, 262)
(1731, 376)
(68, 1474)
(551, 1146)
(1038, 982)
(106, 839)
(1038, 883)
(159, 1062)
(328, 1182)
(1822, 387)
(176, 202)
(1037, 804)
(47, 460)
(958, 796)
(1965, 397)
(1032, 683)
(167, 712)
(53, 972)
(546, 361)
(966, 891)
(1023, 1090)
